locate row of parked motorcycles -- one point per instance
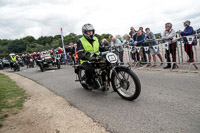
(4, 63)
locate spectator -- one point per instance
(72, 49)
(68, 53)
(169, 36)
(132, 33)
(139, 41)
(151, 37)
(105, 43)
(142, 29)
(116, 44)
(130, 42)
(59, 51)
(187, 31)
(75, 55)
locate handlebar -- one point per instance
(104, 53)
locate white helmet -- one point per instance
(88, 27)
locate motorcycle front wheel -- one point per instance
(42, 67)
(126, 84)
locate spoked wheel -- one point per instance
(58, 64)
(82, 78)
(18, 68)
(126, 84)
(41, 67)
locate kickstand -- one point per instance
(76, 80)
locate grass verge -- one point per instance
(11, 98)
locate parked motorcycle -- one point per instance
(109, 72)
(6, 63)
(1, 65)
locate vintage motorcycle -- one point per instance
(15, 66)
(21, 63)
(47, 61)
(108, 71)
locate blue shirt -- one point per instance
(140, 39)
(188, 31)
(131, 41)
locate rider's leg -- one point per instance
(89, 70)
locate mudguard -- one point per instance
(77, 68)
(126, 67)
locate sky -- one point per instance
(20, 18)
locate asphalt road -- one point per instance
(169, 101)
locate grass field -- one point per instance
(11, 97)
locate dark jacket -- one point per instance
(72, 49)
(133, 35)
(140, 39)
(187, 31)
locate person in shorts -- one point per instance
(151, 36)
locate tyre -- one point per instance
(15, 69)
(126, 84)
(18, 68)
(1, 67)
(58, 65)
(41, 67)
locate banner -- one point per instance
(190, 39)
(155, 47)
(62, 38)
(130, 48)
(146, 48)
(166, 45)
(138, 49)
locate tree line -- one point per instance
(29, 44)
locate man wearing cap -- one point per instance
(169, 36)
(187, 31)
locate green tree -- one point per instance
(17, 46)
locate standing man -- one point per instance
(169, 36)
(133, 33)
(138, 42)
(105, 43)
(151, 37)
(117, 44)
(187, 31)
(71, 47)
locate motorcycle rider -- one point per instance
(88, 43)
(13, 59)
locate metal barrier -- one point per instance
(162, 46)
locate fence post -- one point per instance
(178, 53)
(181, 52)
